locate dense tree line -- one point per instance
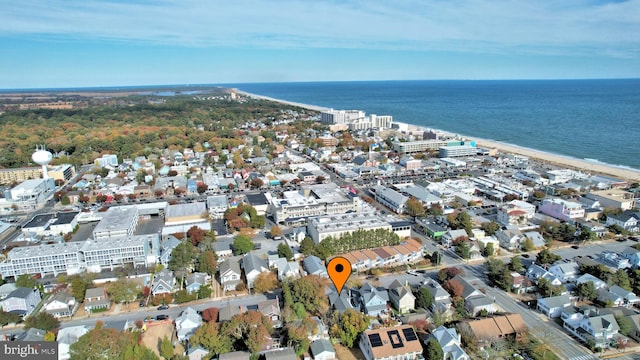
(129, 131)
(360, 239)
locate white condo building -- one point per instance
(30, 194)
(117, 221)
(75, 257)
(320, 228)
(312, 200)
(356, 119)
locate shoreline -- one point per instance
(285, 102)
(622, 173)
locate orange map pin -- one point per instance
(339, 270)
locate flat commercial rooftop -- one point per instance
(116, 218)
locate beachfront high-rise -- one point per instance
(356, 119)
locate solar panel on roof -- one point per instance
(375, 340)
(396, 341)
(409, 334)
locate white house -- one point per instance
(322, 350)
(21, 301)
(566, 272)
(401, 297)
(187, 323)
(553, 306)
(230, 274)
(60, 304)
(253, 266)
(163, 282)
(450, 342)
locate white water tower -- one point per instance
(42, 157)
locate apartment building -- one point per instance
(321, 227)
(117, 221)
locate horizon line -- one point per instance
(222, 85)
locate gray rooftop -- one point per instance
(190, 209)
(116, 218)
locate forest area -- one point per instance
(83, 134)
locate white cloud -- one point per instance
(446, 25)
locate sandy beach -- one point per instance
(300, 105)
(566, 161)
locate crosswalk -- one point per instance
(584, 357)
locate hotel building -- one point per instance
(117, 221)
(320, 228)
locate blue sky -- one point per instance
(54, 43)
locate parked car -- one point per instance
(142, 304)
(163, 307)
(162, 317)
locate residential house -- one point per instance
(535, 237)
(452, 236)
(68, 336)
(398, 342)
(6, 289)
(287, 269)
(553, 306)
(450, 342)
(633, 255)
(521, 284)
(235, 355)
(628, 220)
(197, 353)
(374, 300)
(566, 272)
(166, 247)
(496, 327)
(401, 297)
(32, 334)
(475, 301)
(510, 238)
(441, 298)
(597, 283)
(163, 282)
(516, 213)
(227, 312)
(21, 301)
(280, 354)
(194, 281)
(617, 296)
(535, 272)
(230, 274)
(187, 323)
(614, 260)
(60, 304)
(347, 299)
(271, 309)
(95, 299)
(253, 266)
(322, 350)
(313, 265)
(598, 330)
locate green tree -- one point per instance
(424, 299)
(285, 251)
(490, 228)
(587, 291)
(122, 291)
(433, 350)
(265, 282)
(210, 337)
(547, 257)
(250, 330)
(204, 292)
(8, 318)
(166, 348)
(207, 263)
(307, 246)
(347, 325)
(516, 264)
(620, 278)
(79, 286)
(625, 324)
(182, 256)
(43, 321)
(309, 291)
(488, 250)
(463, 250)
(102, 344)
(461, 220)
(527, 245)
(241, 245)
(26, 280)
(415, 207)
(275, 231)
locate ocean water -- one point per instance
(598, 120)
